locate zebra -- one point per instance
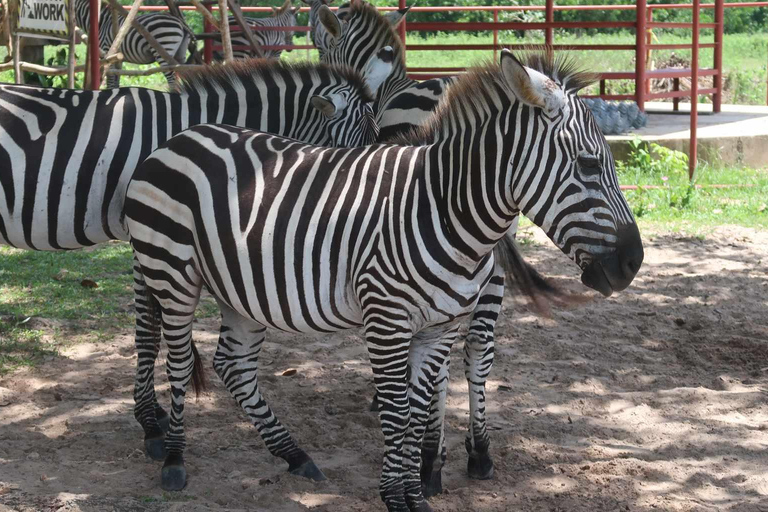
(170, 32)
(402, 103)
(67, 157)
(322, 39)
(284, 16)
(398, 239)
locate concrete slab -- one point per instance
(737, 136)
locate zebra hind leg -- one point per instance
(147, 411)
(433, 452)
(236, 363)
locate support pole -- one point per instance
(207, 43)
(17, 59)
(694, 91)
(717, 98)
(495, 37)
(640, 29)
(93, 46)
(226, 40)
(247, 32)
(648, 42)
(401, 27)
(549, 32)
(71, 57)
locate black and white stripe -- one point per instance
(170, 32)
(398, 239)
(66, 156)
(284, 17)
(351, 37)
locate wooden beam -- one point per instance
(203, 10)
(16, 63)
(152, 70)
(145, 33)
(238, 14)
(226, 40)
(71, 57)
(51, 71)
(122, 31)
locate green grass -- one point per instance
(20, 347)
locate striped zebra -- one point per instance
(170, 32)
(402, 104)
(67, 157)
(322, 39)
(284, 16)
(398, 239)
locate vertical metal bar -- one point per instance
(208, 43)
(676, 87)
(495, 37)
(401, 28)
(93, 45)
(17, 59)
(71, 50)
(649, 41)
(549, 32)
(717, 98)
(640, 17)
(694, 91)
(602, 87)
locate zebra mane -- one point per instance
(472, 91)
(245, 73)
(372, 18)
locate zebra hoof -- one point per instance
(174, 477)
(423, 506)
(480, 466)
(308, 470)
(163, 419)
(155, 447)
(432, 484)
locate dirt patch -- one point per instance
(654, 399)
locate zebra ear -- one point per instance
(328, 105)
(530, 86)
(395, 17)
(378, 68)
(329, 21)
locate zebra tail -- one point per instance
(541, 292)
(199, 383)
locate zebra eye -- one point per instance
(589, 165)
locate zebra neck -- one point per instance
(468, 176)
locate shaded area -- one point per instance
(651, 400)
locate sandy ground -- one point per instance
(654, 399)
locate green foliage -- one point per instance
(59, 59)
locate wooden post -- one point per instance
(676, 87)
(145, 34)
(694, 92)
(549, 32)
(247, 32)
(17, 59)
(93, 46)
(717, 98)
(648, 41)
(71, 57)
(123, 30)
(226, 40)
(640, 14)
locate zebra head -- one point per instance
(567, 182)
(348, 108)
(356, 32)
(285, 16)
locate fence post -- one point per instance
(717, 99)
(401, 28)
(495, 37)
(208, 43)
(71, 47)
(549, 32)
(640, 54)
(694, 91)
(648, 42)
(93, 46)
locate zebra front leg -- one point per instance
(427, 360)
(153, 418)
(236, 363)
(433, 452)
(478, 361)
